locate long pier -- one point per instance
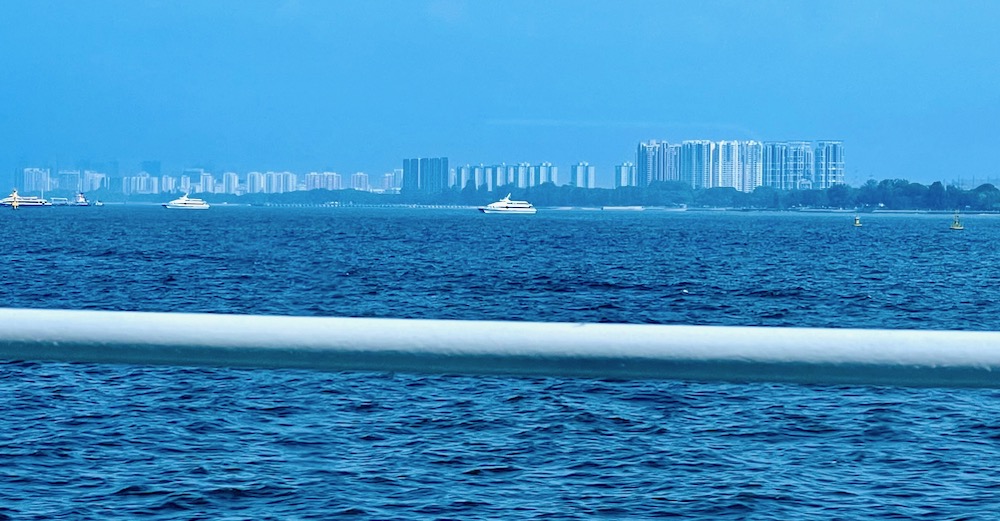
(615, 351)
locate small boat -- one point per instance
(80, 200)
(857, 221)
(957, 224)
(98, 203)
(16, 201)
(505, 205)
(187, 203)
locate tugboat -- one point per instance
(81, 200)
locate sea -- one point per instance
(88, 441)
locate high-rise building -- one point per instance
(168, 183)
(522, 175)
(280, 182)
(495, 176)
(230, 183)
(673, 162)
(70, 180)
(829, 169)
(93, 181)
(727, 169)
(479, 176)
(751, 164)
(543, 173)
(272, 183)
(359, 181)
(774, 164)
(652, 160)
(510, 175)
(207, 182)
(332, 181)
(141, 183)
(425, 175)
(388, 182)
(463, 175)
(255, 183)
(314, 181)
(582, 175)
(625, 175)
(788, 165)
(800, 165)
(35, 180)
(696, 163)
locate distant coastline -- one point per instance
(893, 195)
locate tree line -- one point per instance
(889, 194)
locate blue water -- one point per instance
(84, 441)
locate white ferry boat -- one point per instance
(505, 205)
(187, 203)
(16, 201)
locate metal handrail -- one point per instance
(620, 351)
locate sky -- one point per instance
(911, 87)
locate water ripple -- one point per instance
(84, 441)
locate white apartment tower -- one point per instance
(727, 168)
(583, 175)
(359, 181)
(230, 183)
(696, 163)
(523, 171)
(35, 180)
(625, 175)
(751, 163)
(94, 180)
(651, 162)
(800, 165)
(255, 182)
(168, 183)
(774, 158)
(543, 173)
(829, 169)
(207, 183)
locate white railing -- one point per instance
(632, 351)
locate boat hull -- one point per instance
(508, 210)
(22, 204)
(185, 207)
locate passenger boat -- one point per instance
(505, 205)
(15, 201)
(187, 203)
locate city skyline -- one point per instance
(699, 163)
(595, 176)
(296, 85)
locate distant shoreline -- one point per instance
(613, 209)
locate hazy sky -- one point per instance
(912, 87)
